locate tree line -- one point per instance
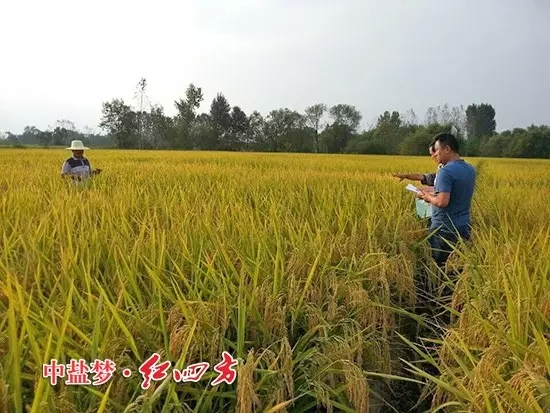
(62, 133)
(319, 129)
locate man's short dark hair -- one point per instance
(447, 139)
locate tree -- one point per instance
(11, 138)
(443, 115)
(345, 121)
(346, 115)
(285, 130)
(336, 137)
(256, 137)
(143, 102)
(60, 136)
(163, 129)
(533, 142)
(220, 113)
(45, 138)
(66, 124)
(186, 108)
(203, 133)
(226, 127)
(63, 131)
(431, 117)
(410, 118)
(458, 120)
(238, 128)
(313, 116)
(186, 115)
(480, 120)
(417, 142)
(121, 122)
(31, 136)
(389, 132)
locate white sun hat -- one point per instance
(77, 146)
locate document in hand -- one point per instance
(423, 209)
(412, 188)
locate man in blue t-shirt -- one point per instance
(451, 200)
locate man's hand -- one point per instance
(96, 171)
(440, 200)
(420, 194)
(411, 177)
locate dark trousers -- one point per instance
(435, 295)
(443, 242)
(436, 289)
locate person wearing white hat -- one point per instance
(77, 166)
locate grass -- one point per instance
(303, 267)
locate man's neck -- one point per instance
(454, 157)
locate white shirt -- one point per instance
(77, 166)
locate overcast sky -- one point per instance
(62, 59)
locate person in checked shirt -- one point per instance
(425, 179)
(78, 166)
(428, 180)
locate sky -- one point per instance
(62, 59)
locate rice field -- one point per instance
(303, 268)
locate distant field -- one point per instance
(301, 266)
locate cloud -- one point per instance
(63, 59)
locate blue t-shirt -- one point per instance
(458, 178)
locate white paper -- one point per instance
(412, 188)
(423, 209)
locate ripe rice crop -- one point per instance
(302, 267)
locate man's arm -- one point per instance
(428, 179)
(442, 192)
(441, 199)
(411, 177)
(65, 169)
(96, 171)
